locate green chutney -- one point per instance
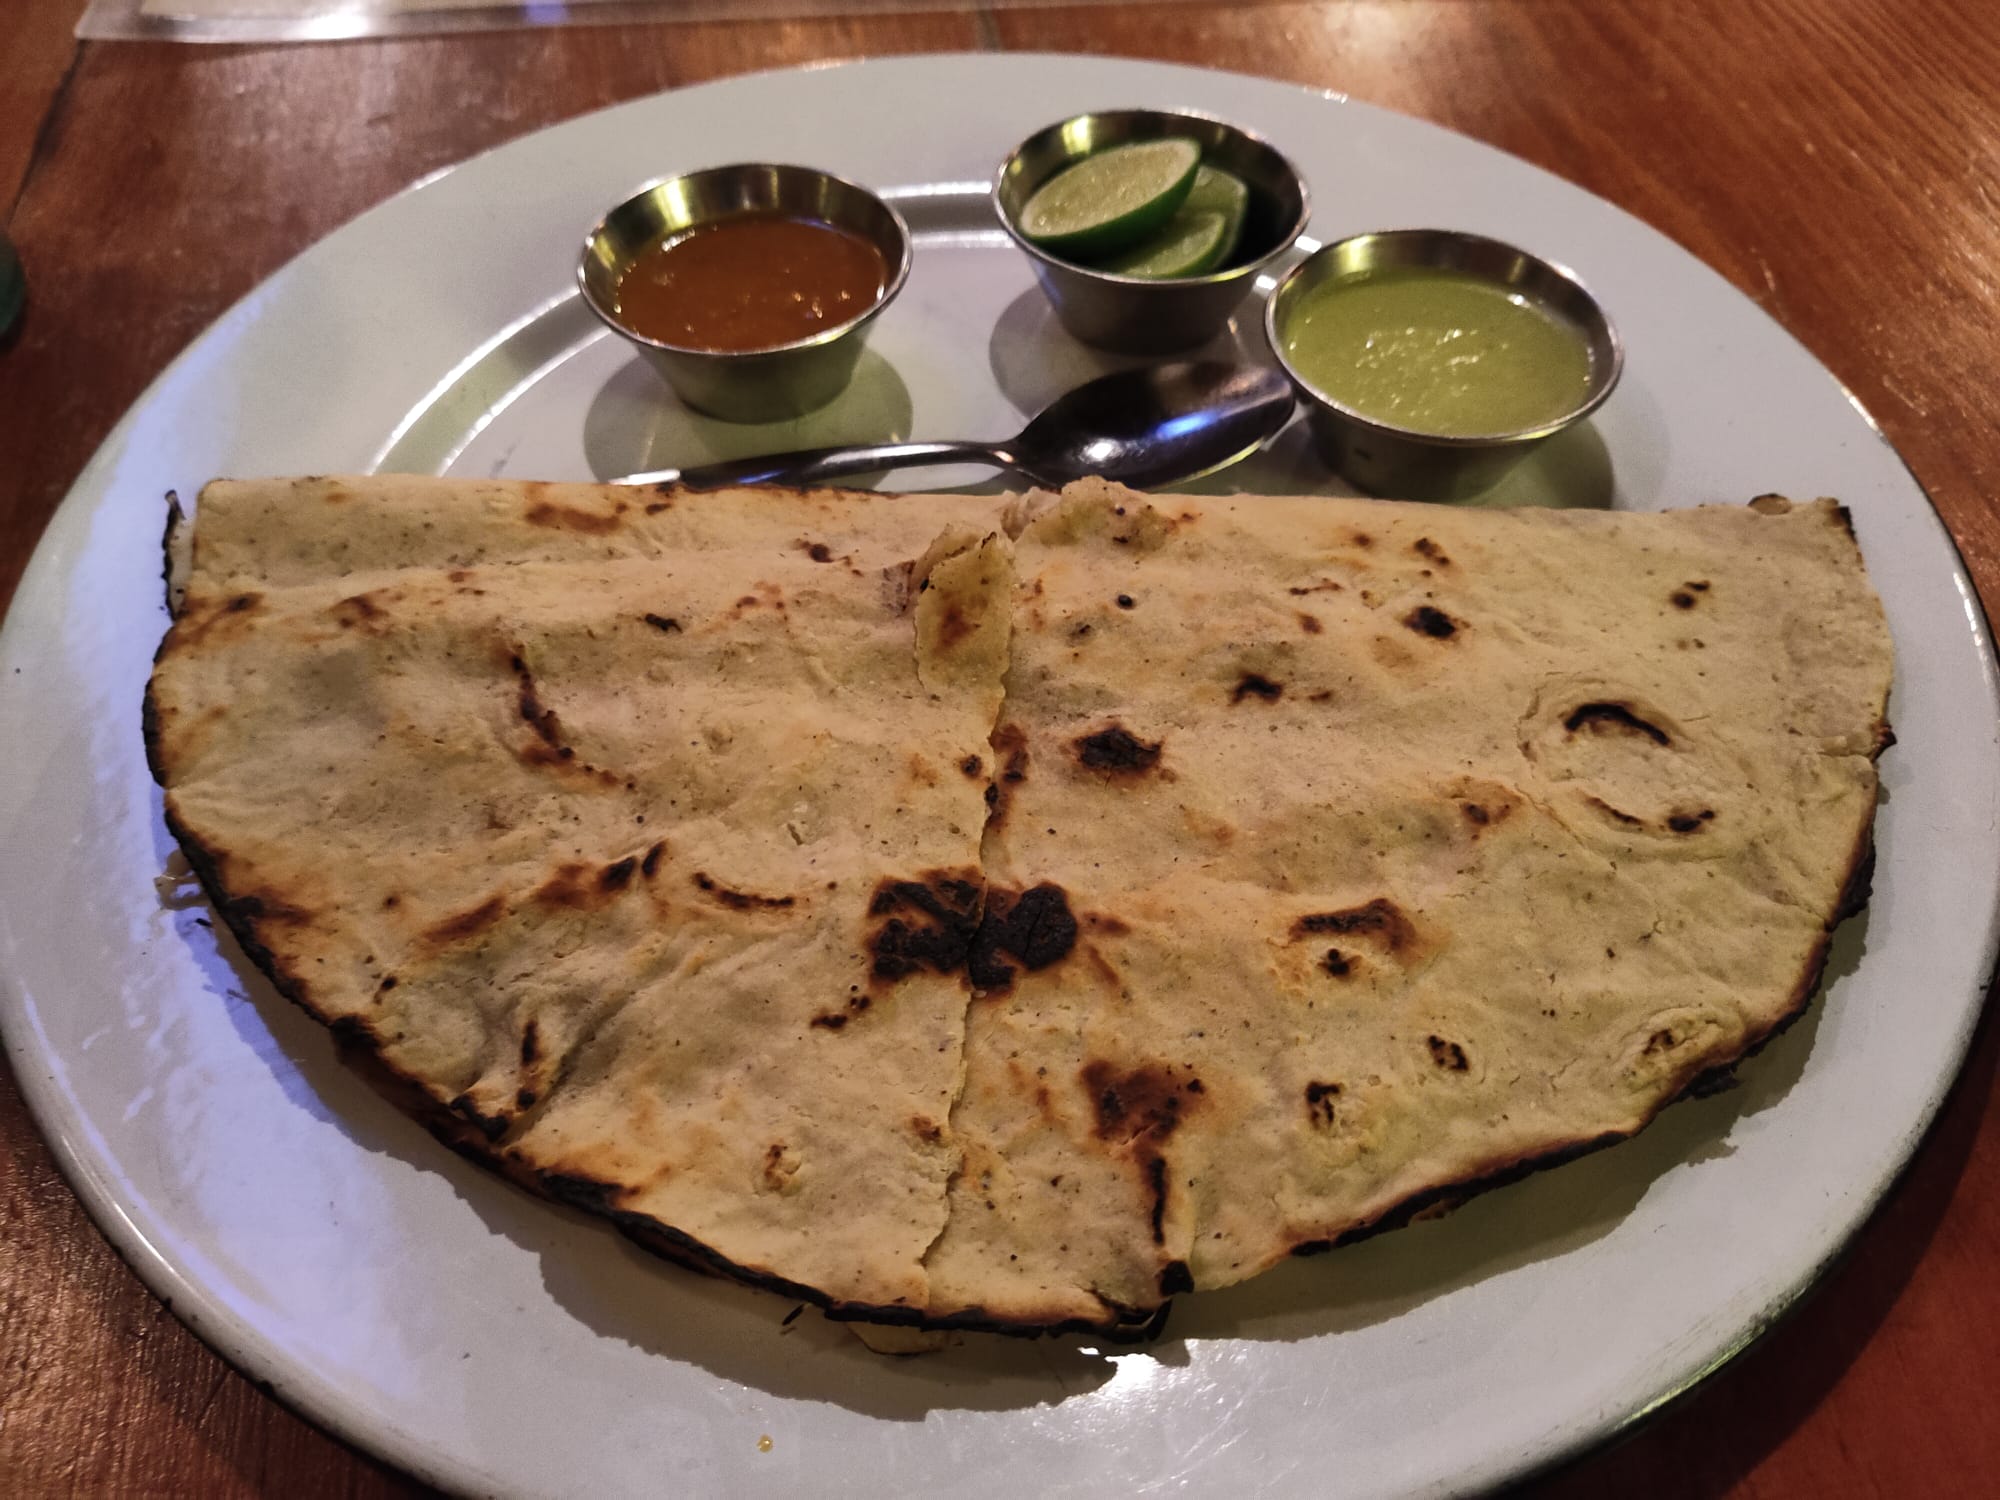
(1438, 352)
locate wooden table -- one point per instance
(1839, 162)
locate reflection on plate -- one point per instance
(424, 1309)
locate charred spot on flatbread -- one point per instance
(1256, 685)
(359, 611)
(1428, 619)
(490, 1126)
(573, 518)
(1599, 717)
(1319, 1102)
(1595, 717)
(1138, 1109)
(573, 885)
(1380, 919)
(1034, 928)
(1447, 1054)
(737, 900)
(1139, 1103)
(462, 926)
(1010, 752)
(539, 718)
(1616, 814)
(857, 1004)
(260, 907)
(1424, 547)
(926, 923)
(1116, 751)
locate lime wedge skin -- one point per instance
(1111, 199)
(1192, 244)
(1200, 237)
(1218, 192)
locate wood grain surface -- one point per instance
(1838, 161)
(32, 69)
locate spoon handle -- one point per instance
(813, 465)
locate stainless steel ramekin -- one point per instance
(761, 385)
(1385, 459)
(1138, 315)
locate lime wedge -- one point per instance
(1190, 245)
(1112, 199)
(1200, 237)
(1216, 192)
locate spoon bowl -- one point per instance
(1155, 426)
(1147, 428)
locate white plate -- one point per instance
(491, 1342)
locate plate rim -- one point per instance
(324, 1405)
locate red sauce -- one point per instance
(753, 282)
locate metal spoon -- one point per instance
(1146, 427)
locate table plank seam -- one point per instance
(48, 130)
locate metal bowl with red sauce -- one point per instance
(750, 287)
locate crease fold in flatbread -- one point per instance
(1011, 913)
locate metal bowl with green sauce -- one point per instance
(1431, 361)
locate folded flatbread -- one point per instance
(1012, 913)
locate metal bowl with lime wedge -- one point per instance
(1103, 304)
